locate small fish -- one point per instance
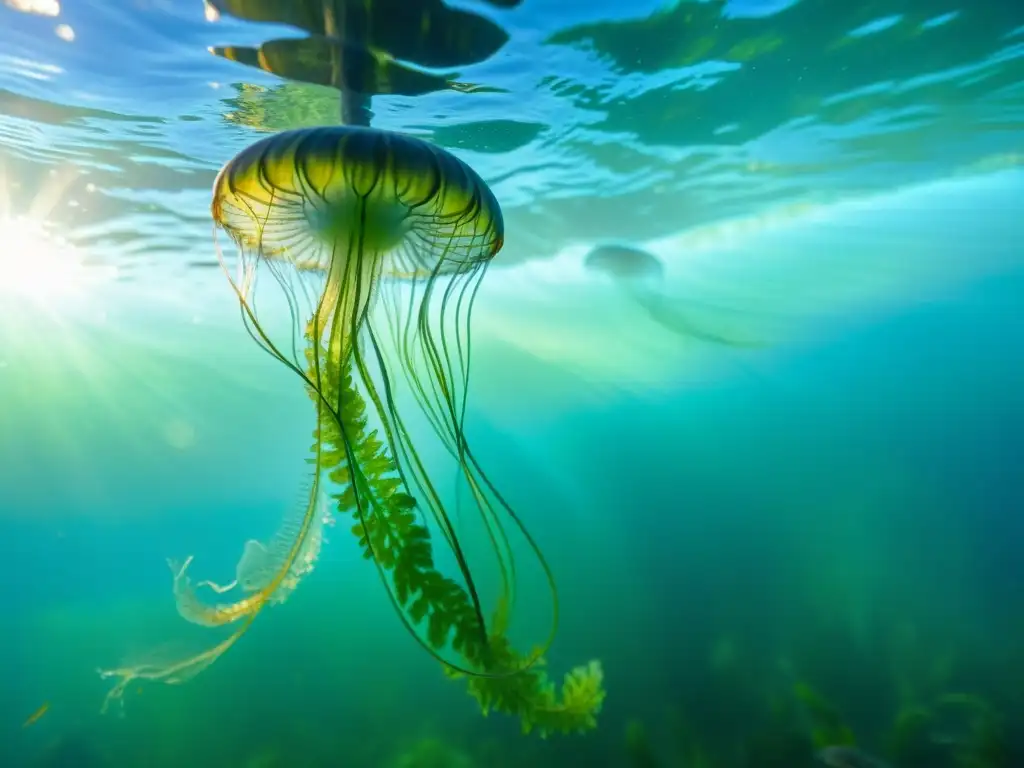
(849, 757)
(36, 715)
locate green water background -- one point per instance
(844, 514)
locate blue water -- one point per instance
(775, 475)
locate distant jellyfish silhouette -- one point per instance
(641, 275)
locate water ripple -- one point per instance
(594, 120)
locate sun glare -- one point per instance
(36, 265)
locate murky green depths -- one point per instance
(746, 367)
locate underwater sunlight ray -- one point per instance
(71, 367)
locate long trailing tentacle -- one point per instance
(420, 339)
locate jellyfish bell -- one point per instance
(354, 205)
(641, 275)
(313, 187)
(332, 212)
(624, 262)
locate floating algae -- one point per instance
(268, 574)
(256, 569)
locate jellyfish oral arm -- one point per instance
(351, 284)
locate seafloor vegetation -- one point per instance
(900, 696)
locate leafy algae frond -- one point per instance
(389, 531)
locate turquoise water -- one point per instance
(774, 469)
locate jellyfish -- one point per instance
(373, 245)
(641, 275)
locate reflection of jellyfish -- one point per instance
(344, 219)
(255, 570)
(641, 275)
(367, 47)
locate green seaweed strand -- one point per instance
(388, 531)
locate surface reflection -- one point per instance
(362, 49)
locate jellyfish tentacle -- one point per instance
(398, 437)
(192, 609)
(390, 535)
(450, 433)
(418, 343)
